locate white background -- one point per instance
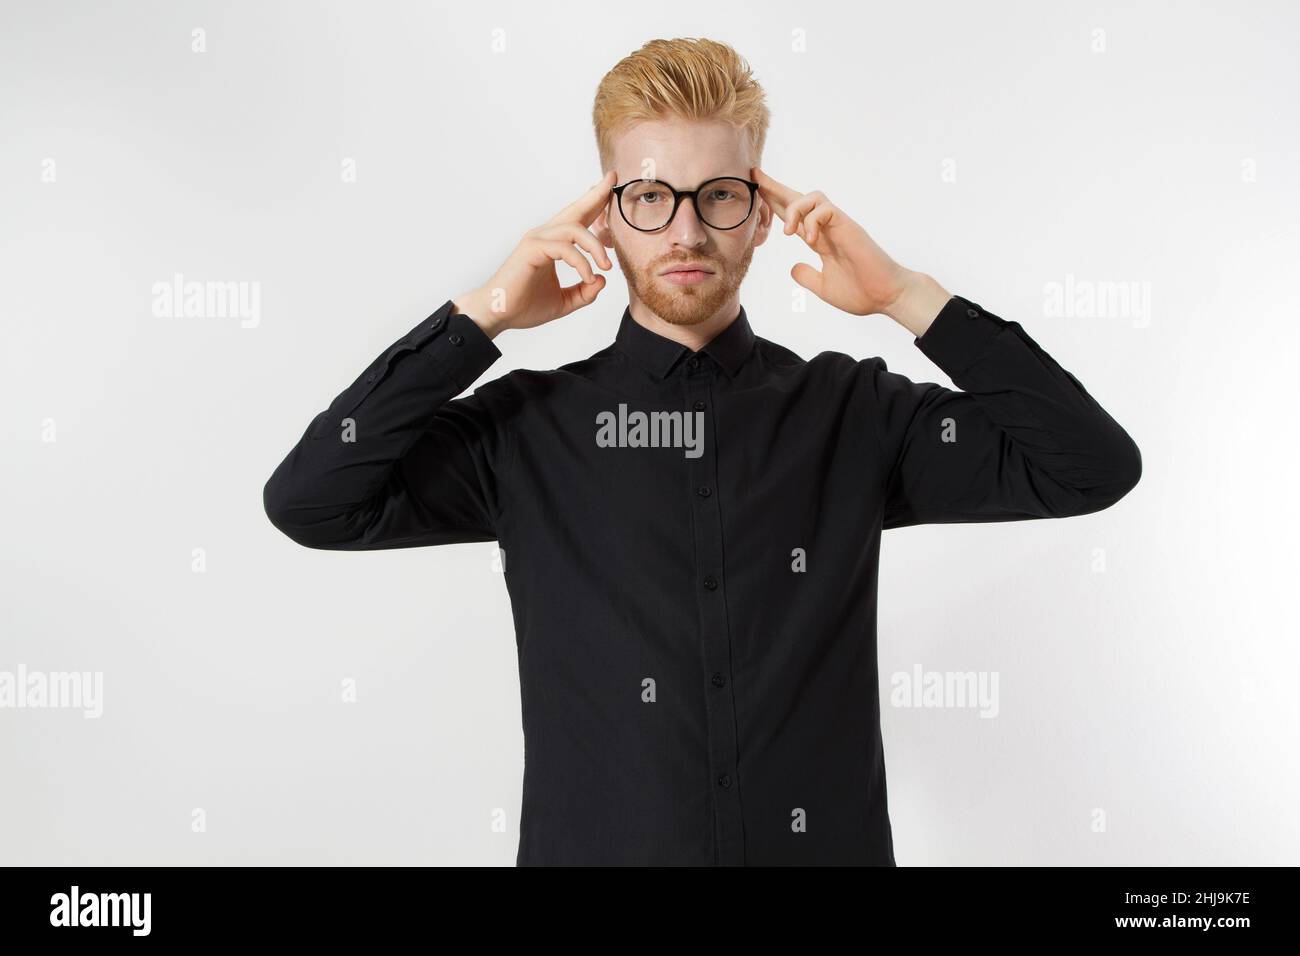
(1146, 655)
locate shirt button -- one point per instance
(973, 312)
(455, 338)
(718, 680)
(692, 362)
(711, 582)
(703, 491)
(724, 782)
(700, 406)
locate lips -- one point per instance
(687, 276)
(688, 267)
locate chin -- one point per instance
(687, 310)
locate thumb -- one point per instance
(581, 294)
(808, 277)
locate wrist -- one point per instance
(919, 302)
(476, 307)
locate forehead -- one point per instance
(681, 151)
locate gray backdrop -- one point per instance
(342, 164)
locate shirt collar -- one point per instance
(659, 355)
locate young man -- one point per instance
(691, 517)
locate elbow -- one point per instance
(279, 511)
(1128, 471)
(1124, 471)
(1109, 481)
(293, 533)
(314, 526)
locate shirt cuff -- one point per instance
(958, 335)
(462, 348)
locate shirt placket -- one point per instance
(715, 636)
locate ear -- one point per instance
(765, 216)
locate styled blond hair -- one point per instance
(691, 78)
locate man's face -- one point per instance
(685, 154)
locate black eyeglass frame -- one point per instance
(680, 194)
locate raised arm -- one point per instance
(396, 460)
(1022, 439)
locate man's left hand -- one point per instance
(857, 276)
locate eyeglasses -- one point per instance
(721, 203)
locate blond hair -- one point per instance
(692, 78)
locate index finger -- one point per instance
(778, 195)
(587, 207)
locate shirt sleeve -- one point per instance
(1022, 439)
(397, 461)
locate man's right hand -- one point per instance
(526, 292)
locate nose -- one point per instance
(686, 228)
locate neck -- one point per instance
(694, 336)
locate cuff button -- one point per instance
(973, 313)
(455, 338)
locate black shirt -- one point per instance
(690, 546)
